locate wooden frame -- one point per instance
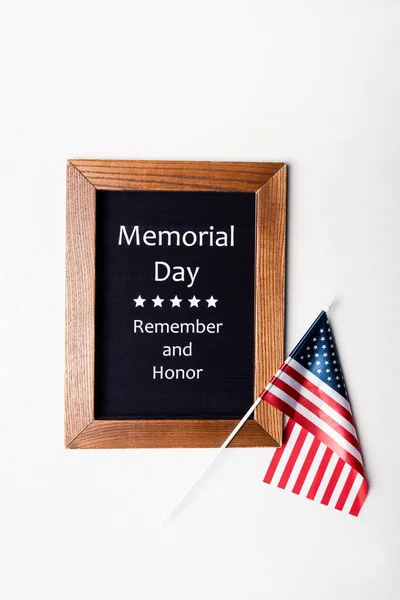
(84, 177)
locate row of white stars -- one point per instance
(194, 302)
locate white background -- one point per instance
(314, 84)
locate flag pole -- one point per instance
(224, 445)
(228, 440)
(328, 307)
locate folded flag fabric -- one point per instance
(321, 457)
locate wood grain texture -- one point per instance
(84, 177)
(170, 434)
(270, 295)
(176, 175)
(80, 281)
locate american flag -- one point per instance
(321, 456)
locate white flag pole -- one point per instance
(224, 445)
(328, 307)
(228, 439)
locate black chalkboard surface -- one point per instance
(174, 318)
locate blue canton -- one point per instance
(317, 352)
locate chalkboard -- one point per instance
(175, 278)
(189, 354)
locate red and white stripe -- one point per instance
(321, 457)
